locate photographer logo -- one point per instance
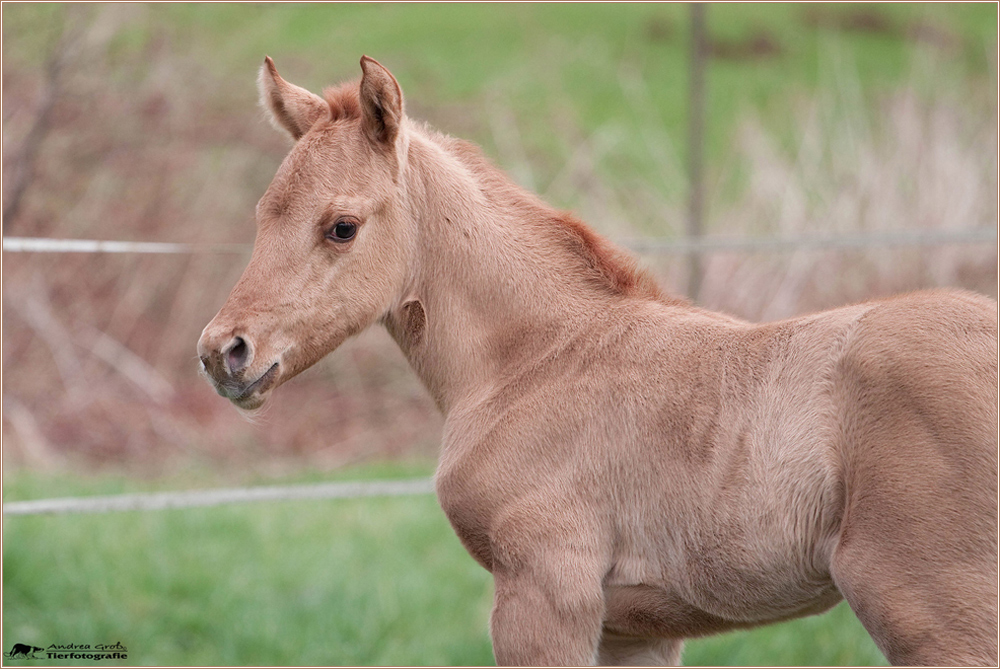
(69, 651)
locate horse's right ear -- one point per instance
(381, 103)
(289, 107)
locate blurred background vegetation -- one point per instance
(140, 122)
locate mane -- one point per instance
(614, 266)
(344, 100)
(607, 264)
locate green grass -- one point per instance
(375, 581)
(362, 582)
(603, 85)
(577, 54)
(611, 74)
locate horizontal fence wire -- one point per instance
(813, 242)
(650, 245)
(205, 498)
(44, 245)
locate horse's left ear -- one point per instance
(381, 103)
(289, 107)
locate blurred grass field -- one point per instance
(821, 118)
(339, 582)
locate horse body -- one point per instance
(707, 481)
(632, 469)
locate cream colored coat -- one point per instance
(633, 470)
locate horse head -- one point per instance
(331, 250)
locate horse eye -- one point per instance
(343, 231)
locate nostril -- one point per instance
(238, 355)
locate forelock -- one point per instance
(344, 101)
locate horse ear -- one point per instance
(381, 103)
(290, 107)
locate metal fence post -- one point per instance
(696, 128)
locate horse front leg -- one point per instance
(546, 617)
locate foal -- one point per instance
(633, 470)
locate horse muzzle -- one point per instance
(229, 368)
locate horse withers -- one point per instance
(632, 469)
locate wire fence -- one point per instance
(204, 498)
(814, 242)
(45, 245)
(652, 245)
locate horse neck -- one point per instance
(497, 288)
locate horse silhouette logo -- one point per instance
(22, 651)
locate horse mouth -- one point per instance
(252, 397)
